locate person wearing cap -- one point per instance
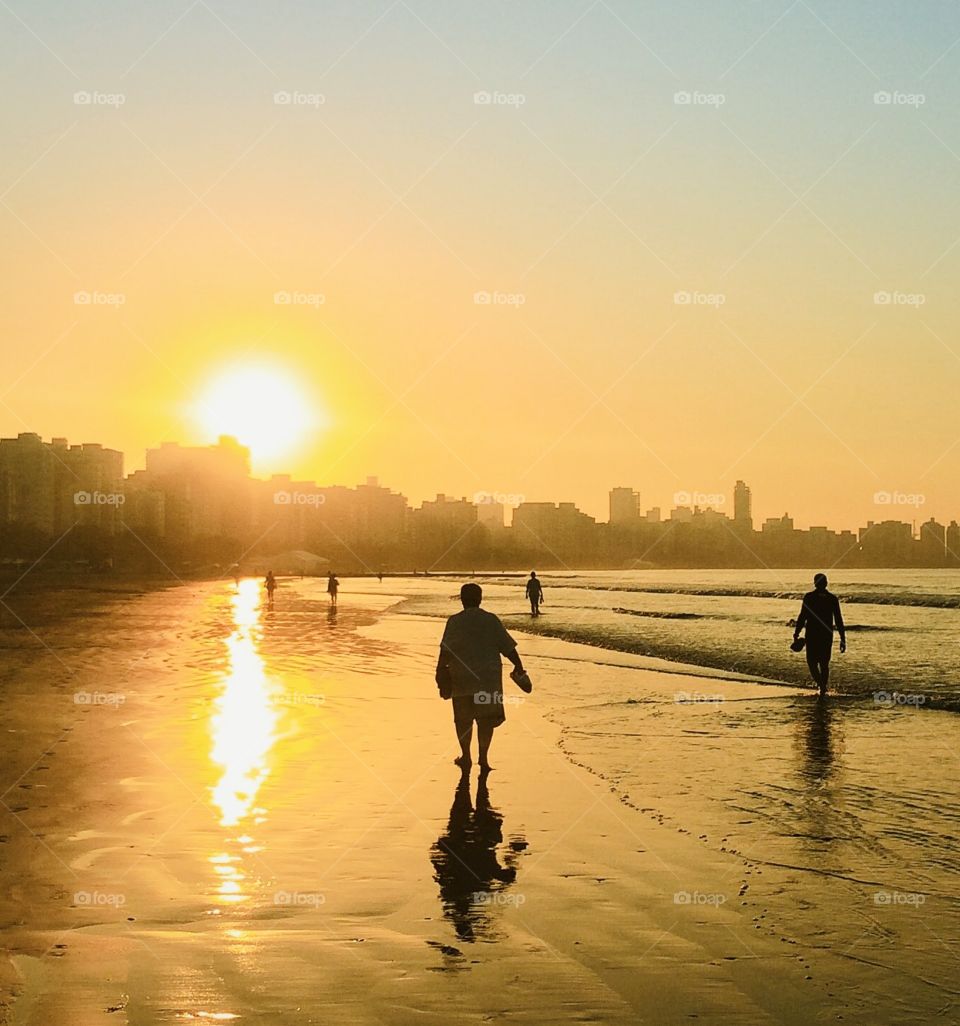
(819, 615)
(470, 672)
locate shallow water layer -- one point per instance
(903, 626)
(216, 810)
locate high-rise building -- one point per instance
(624, 506)
(742, 506)
(206, 489)
(51, 487)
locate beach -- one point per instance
(218, 812)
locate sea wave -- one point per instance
(921, 599)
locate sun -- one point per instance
(264, 407)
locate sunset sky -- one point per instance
(588, 200)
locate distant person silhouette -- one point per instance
(819, 614)
(469, 666)
(534, 593)
(271, 585)
(333, 586)
(467, 864)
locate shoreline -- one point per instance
(354, 795)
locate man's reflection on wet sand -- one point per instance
(466, 861)
(819, 744)
(820, 821)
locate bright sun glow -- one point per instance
(264, 408)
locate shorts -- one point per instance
(819, 648)
(485, 707)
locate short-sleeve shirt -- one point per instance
(475, 640)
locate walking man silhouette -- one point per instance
(820, 614)
(534, 593)
(470, 671)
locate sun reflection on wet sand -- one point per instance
(243, 729)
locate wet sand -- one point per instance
(213, 812)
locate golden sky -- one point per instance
(678, 246)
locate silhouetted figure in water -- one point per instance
(534, 593)
(470, 669)
(333, 586)
(819, 614)
(271, 585)
(466, 862)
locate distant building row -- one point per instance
(199, 504)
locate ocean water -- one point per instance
(845, 813)
(903, 625)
